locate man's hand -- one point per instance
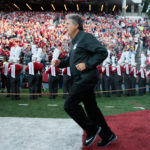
(55, 62)
(81, 66)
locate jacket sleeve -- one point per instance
(98, 51)
(64, 62)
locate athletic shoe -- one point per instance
(105, 143)
(90, 138)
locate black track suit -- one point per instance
(85, 48)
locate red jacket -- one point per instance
(110, 70)
(36, 67)
(148, 74)
(129, 69)
(99, 69)
(18, 69)
(132, 71)
(139, 73)
(65, 71)
(121, 69)
(9, 66)
(41, 67)
(56, 70)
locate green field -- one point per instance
(40, 108)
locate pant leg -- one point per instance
(113, 87)
(8, 84)
(12, 88)
(30, 82)
(141, 85)
(107, 86)
(55, 87)
(69, 83)
(127, 85)
(103, 84)
(50, 84)
(97, 88)
(35, 85)
(118, 84)
(17, 86)
(149, 86)
(39, 84)
(74, 109)
(65, 82)
(3, 80)
(95, 115)
(133, 86)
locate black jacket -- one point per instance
(84, 48)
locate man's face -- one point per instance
(70, 27)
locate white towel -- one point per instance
(127, 69)
(31, 68)
(103, 68)
(13, 71)
(53, 72)
(118, 70)
(142, 73)
(134, 72)
(68, 71)
(6, 69)
(107, 70)
(55, 54)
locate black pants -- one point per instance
(97, 87)
(15, 87)
(53, 86)
(3, 77)
(66, 85)
(113, 87)
(107, 86)
(142, 84)
(103, 84)
(8, 85)
(118, 85)
(39, 84)
(149, 86)
(133, 85)
(127, 84)
(33, 86)
(93, 117)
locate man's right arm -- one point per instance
(63, 63)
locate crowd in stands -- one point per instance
(33, 36)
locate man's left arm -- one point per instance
(98, 51)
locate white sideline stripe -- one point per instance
(109, 106)
(139, 108)
(53, 105)
(39, 134)
(23, 104)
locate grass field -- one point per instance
(47, 108)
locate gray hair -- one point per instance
(76, 19)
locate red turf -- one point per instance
(132, 129)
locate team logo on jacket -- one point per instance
(75, 46)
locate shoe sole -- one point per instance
(97, 133)
(113, 140)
